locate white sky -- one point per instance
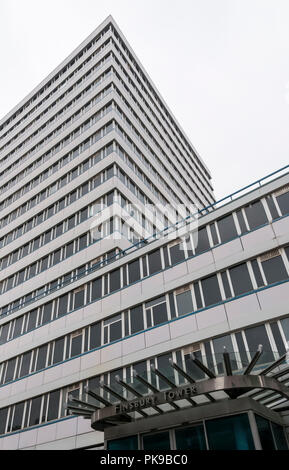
(222, 66)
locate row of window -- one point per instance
(225, 229)
(53, 80)
(79, 113)
(50, 136)
(238, 280)
(57, 165)
(80, 243)
(241, 345)
(88, 211)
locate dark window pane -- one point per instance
(240, 279)
(184, 303)
(227, 228)
(134, 271)
(280, 438)
(177, 253)
(257, 273)
(154, 260)
(191, 438)
(35, 411)
(96, 289)
(136, 319)
(95, 336)
(211, 290)
(214, 234)
(256, 215)
(160, 314)
(79, 298)
(53, 406)
(272, 207)
(277, 338)
(219, 344)
(157, 441)
(230, 433)
(3, 419)
(274, 270)
(242, 349)
(115, 331)
(265, 433)
(198, 295)
(25, 366)
(62, 306)
(32, 320)
(115, 280)
(202, 241)
(283, 202)
(10, 370)
(76, 345)
(128, 443)
(18, 327)
(47, 310)
(258, 335)
(285, 327)
(58, 351)
(18, 417)
(41, 358)
(226, 285)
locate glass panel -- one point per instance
(95, 336)
(219, 344)
(240, 278)
(115, 280)
(35, 411)
(128, 443)
(58, 351)
(274, 270)
(154, 260)
(18, 417)
(230, 433)
(160, 314)
(202, 242)
(191, 438)
(280, 439)
(285, 327)
(157, 441)
(62, 306)
(177, 253)
(41, 359)
(136, 319)
(265, 433)
(76, 345)
(211, 290)
(3, 419)
(96, 289)
(227, 228)
(283, 202)
(134, 271)
(256, 215)
(184, 303)
(53, 406)
(258, 335)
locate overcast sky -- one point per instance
(221, 65)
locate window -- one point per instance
(62, 305)
(112, 329)
(201, 241)
(25, 365)
(265, 433)
(177, 253)
(156, 311)
(258, 335)
(240, 278)
(58, 351)
(184, 301)
(134, 271)
(41, 357)
(159, 441)
(115, 280)
(96, 289)
(191, 438)
(47, 311)
(230, 433)
(256, 215)
(211, 290)
(154, 261)
(283, 202)
(18, 417)
(76, 343)
(35, 411)
(53, 405)
(79, 297)
(95, 336)
(219, 344)
(136, 319)
(227, 228)
(274, 269)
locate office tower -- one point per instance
(117, 265)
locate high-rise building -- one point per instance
(122, 280)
